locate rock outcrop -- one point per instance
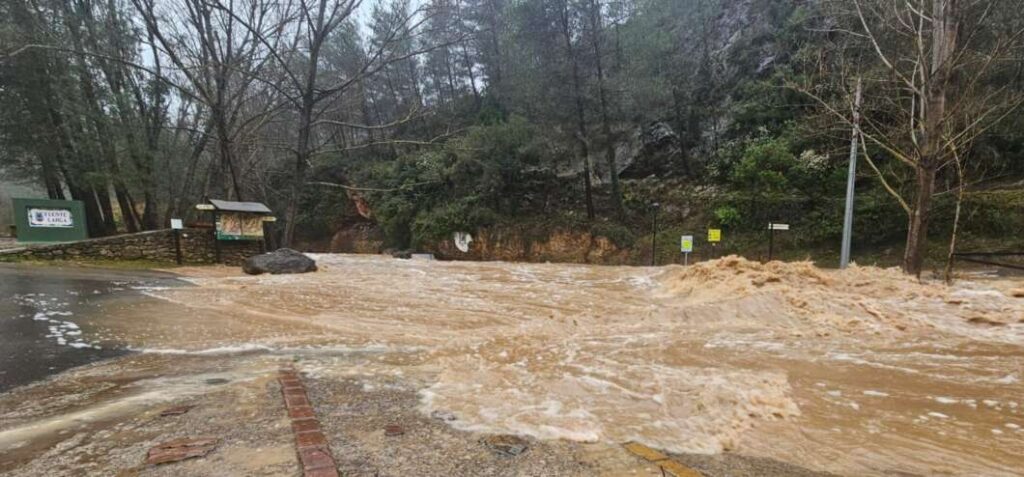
(284, 260)
(651, 150)
(360, 237)
(518, 245)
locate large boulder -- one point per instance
(283, 260)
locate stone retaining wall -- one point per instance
(197, 246)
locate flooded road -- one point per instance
(861, 372)
(48, 318)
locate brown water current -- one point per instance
(860, 372)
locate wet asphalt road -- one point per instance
(45, 313)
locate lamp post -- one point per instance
(654, 235)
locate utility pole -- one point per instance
(844, 254)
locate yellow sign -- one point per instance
(714, 235)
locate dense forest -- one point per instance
(417, 119)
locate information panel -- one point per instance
(50, 218)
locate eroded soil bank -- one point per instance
(735, 366)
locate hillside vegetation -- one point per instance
(403, 122)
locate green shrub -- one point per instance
(619, 234)
(728, 216)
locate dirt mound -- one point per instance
(734, 277)
(866, 299)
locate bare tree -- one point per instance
(931, 68)
(596, 21)
(219, 56)
(567, 23)
(310, 94)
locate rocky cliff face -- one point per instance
(362, 237)
(515, 244)
(651, 150)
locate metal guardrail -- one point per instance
(985, 258)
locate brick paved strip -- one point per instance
(293, 401)
(305, 425)
(668, 466)
(303, 412)
(310, 443)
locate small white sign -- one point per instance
(462, 241)
(778, 226)
(686, 244)
(50, 218)
(176, 224)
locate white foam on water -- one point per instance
(714, 357)
(1008, 379)
(219, 350)
(50, 309)
(849, 358)
(243, 348)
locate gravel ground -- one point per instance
(237, 400)
(732, 465)
(247, 416)
(355, 413)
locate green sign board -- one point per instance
(48, 220)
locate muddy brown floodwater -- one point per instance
(859, 372)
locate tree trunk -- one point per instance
(127, 213)
(102, 194)
(51, 179)
(945, 18)
(917, 230)
(303, 151)
(231, 190)
(606, 128)
(951, 255)
(468, 63)
(581, 121)
(298, 181)
(179, 196)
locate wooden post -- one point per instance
(216, 241)
(177, 246)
